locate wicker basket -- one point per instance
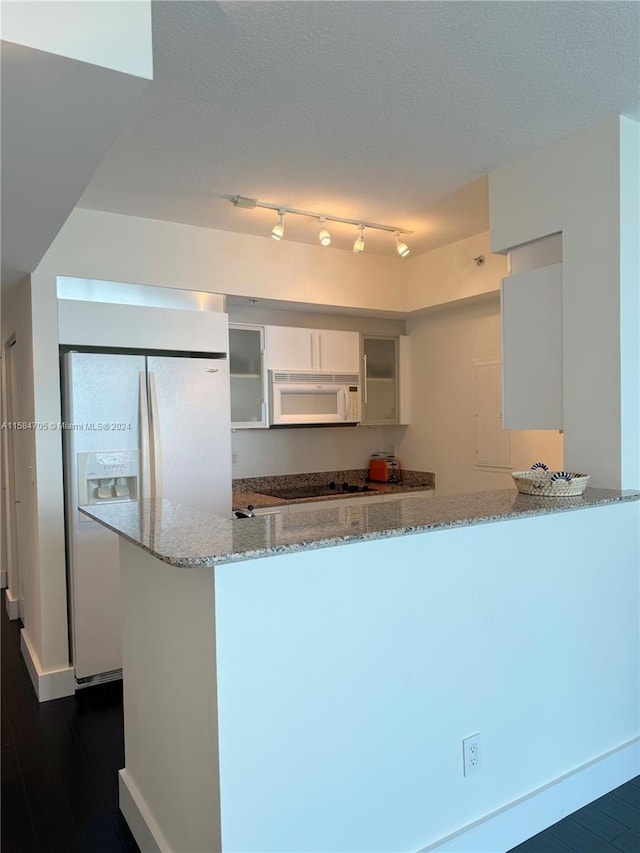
(550, 484)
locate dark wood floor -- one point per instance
(60, 762)
(608, 825)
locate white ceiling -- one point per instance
(393, 112)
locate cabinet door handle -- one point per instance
(366, 391)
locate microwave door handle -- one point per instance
(366, 385)
(344, 413)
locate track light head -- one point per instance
(401, 247)
(324, 236)
(277, 232)
(358, 246)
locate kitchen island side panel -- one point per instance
(170, 713)
(348, 677)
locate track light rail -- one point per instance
(251, 203)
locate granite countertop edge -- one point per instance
(210, 533)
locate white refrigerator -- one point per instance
(137, 426)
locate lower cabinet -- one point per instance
(336, 503)
(356, 500)
(340, 517)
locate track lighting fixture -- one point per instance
(401, 247)
(277, 232)
(358, 246)
(324, 237)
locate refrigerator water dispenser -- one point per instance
(106, 476)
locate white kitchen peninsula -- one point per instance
(304, 681)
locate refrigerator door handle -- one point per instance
(155, 455)
(145, 472)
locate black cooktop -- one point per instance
(320, 491)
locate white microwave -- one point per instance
(303, 398)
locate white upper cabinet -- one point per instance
(248, 377)
(338, 351)
(290, 348)
(385, 376)
(532, 349)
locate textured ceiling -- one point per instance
(392, 112)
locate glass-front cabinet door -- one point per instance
(380, 399)
(248, 377)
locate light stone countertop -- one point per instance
(259, 500)
(186, 538)
(256, 491)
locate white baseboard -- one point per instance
(141, 822)
(48, 685)
(529, 815)
(498, 832)
(12, 605)
(3, 579)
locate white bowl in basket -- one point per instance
(550, 484)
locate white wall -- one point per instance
(294, 451)
(108, 246)
(114, 35)
(586, 186)
(374, 660)
(630, 300)
(169, 618)
(444, 344)
(16, 322)
(449, 274)
(113, 247)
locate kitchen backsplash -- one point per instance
(260, 453)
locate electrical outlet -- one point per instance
(234, 459)
(471, 755)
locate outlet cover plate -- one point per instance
(471, 754)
